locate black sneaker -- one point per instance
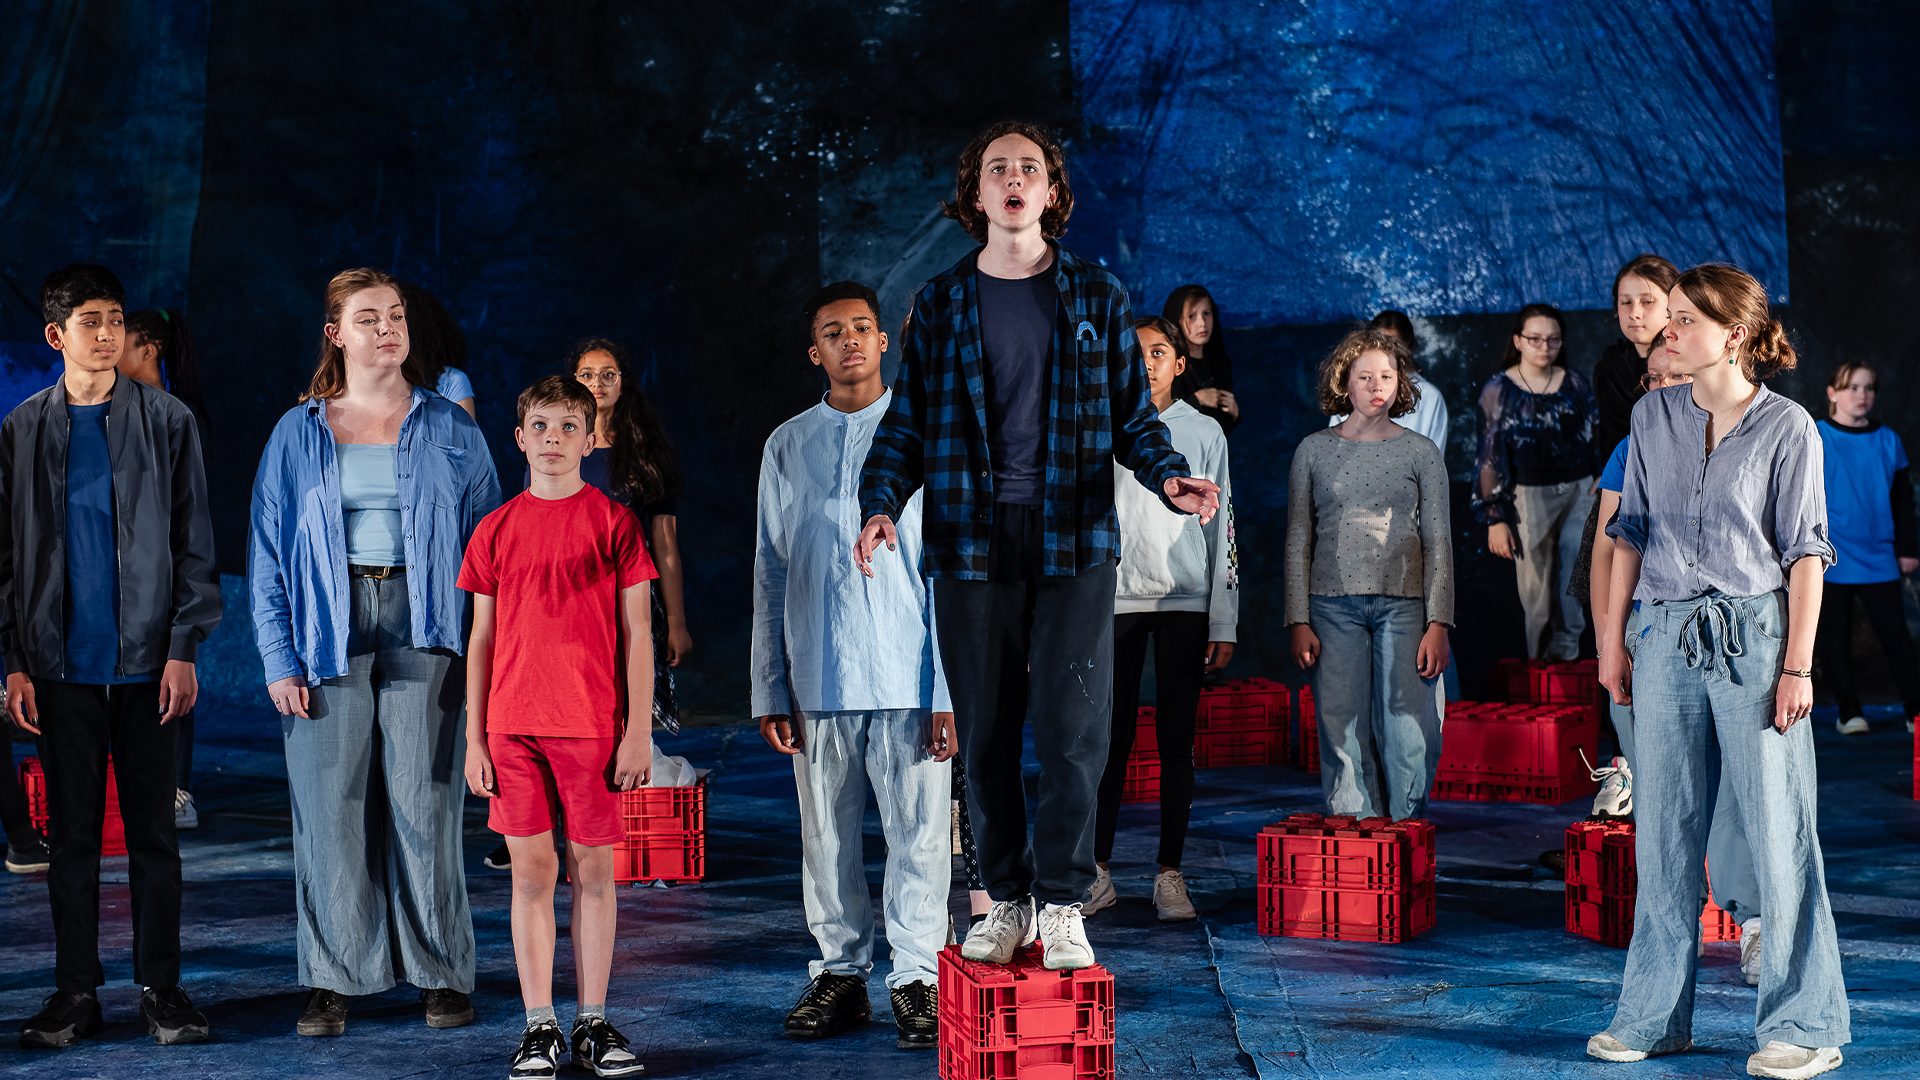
(498, 859)
(831, 1005)
(542, 1049)
(447, 1008)
(171, 1017)
(31, 857)
(63, 1019)
(599, 1046)
(916, 1016)
(325, 1014)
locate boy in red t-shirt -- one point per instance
(559, 666)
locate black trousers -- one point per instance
(1179, 661)
(1022, 646)
(1833, 643)
(78, 725)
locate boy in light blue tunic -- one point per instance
(846, 679)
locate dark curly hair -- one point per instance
(644, 464)
(966, 180)
(1332, 380)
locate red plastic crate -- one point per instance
(1346, 915)
(1142, 783)
(1308, 755)
(1146, 733)
(1715, 923)
(1243, 705)
(113, 831)
(1598, 917)
(1216, 749)
(1023, 1022)
(1512, 752)
(1543, 682)
(1314, 851)
(666, 834)
(1600, 855)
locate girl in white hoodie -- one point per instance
(1178, 585)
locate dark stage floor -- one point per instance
(705, 972)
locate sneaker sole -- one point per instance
(1100, 903)
(453, 1020)
(191, 1033)
(1617, 1055)
(55, 1040)
(28, 868)
(317, 1030)
(1177, 916)
(1070, 963)
(916, 1043)
(1811, 1068)
(994, 956)
(586, 1064)
(838, 1027)
(491, 865)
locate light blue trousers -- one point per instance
(844, 754)
(1704, 672)
(1379, 720)
(378, 780)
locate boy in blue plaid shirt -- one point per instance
(1020, 386)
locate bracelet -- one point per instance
(1807, 674)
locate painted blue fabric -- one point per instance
(297, 546)
(1614, 476)
(93, 576)
(1860, 469)
(454, 385)
(370, 495)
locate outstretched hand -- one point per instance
(1198, 497)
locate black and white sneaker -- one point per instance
(30, 856)
(498, 859)
(542, 1049)
(599, 1047)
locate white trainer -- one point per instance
(1065, 938)
(1852, 725)
(1785, 1061)
(1170, 900)
(1750, 951)
(1607, 1048)
(1103, 894)
(184, 814)
(1007, 928)
(1615, 797)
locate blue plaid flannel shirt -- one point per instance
(1098, 410)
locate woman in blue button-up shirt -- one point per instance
(362, 507)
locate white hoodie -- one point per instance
(1169, 561)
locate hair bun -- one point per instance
(1772, 351)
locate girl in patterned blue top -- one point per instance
(1870, 518)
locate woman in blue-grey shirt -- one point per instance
(362, 507)
(1722, 535)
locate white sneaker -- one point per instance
(1750, 952)
(1170, 900)
(1102, 895)
(1065, 938)
(1785, 1061)
(1615, 797)
(1607, 1048)
(1007, 928)
(1854, 725)
(184, 815)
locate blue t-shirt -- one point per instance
(93, 575)
(1860, 468)
(1614, 477)
(454, 385)
(1017, 319)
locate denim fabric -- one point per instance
(1704, 676)
(844, 754)
(378, 779)
(1548, 538)
(1379, 720)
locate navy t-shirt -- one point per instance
(93, 576)
(1016, 329)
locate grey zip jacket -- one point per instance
(163, 536)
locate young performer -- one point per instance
(1020, 385)
(559, 689)
(847, 681)
(365, 496)
(1370, 582)
(437, 347)
(1722, 539)
(107, 589)
(1870, 509)
(1429, 416)
(1207, 383)
(1178, 586)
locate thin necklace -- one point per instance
(1521, 370)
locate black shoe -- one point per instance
(498, 859)
(64, 1019)
(447, 1008)
(542, 1049)
(916, 1016)
(599, 1046)
(171, 1017)
(831, 1005)
(31, 857)
(325, 1014)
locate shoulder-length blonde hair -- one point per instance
(1339, 363)
(330, 369)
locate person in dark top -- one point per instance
(1533, 477)
(1207, 384)
(1640, 302)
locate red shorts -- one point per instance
(536, 774)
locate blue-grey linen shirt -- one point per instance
(827, 638)
(1734, 521)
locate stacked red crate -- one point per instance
(1308, 755)
(1547, 682)
(1603, 880)
(666, 834)
(1023, 1021)
(1142, 783)
(113, 831)
(1509, 752)
(1242, 722)
(1368, 879)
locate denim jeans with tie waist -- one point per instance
(1704, 675)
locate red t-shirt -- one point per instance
(556, 568)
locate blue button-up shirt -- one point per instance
(827, 638)
(297, 547)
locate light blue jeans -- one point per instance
(1704, 672)
(845, 753)
(1379, 720)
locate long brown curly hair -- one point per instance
(966, 180)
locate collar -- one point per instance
(1872, 426)
(874, 409)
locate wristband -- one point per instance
(1807, 674)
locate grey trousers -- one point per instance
(378, 782)
(1549, 539)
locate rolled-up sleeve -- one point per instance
(1800, 497)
